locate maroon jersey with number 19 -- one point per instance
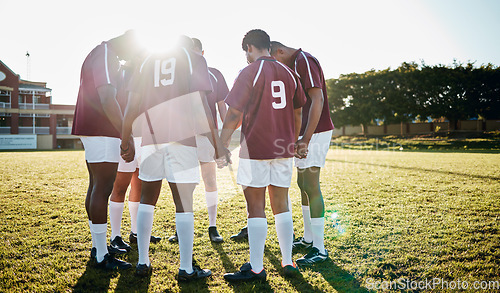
(267, 92)
(165, 79)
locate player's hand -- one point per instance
(301, 149)
(224, 160)
(127, 151)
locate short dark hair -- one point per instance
(258, 38)
(197, 43)
(275, 46)
(185, 41)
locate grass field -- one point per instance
(391, 216)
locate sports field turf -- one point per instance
(405, 217)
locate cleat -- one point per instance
(119, 243)
(111, 263)
(242, 235)
(214, 235)
(173, 238)
(143, 269)
(133, 238)
(245, 274)
(290, 270)
(197, 273)
(93, 252)
(301, 243)
(313, 257)
(113, 250)
(154, 239)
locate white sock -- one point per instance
(306, 215)
(115, 218)
(289, 203)
(211, 197)
(257, 233)
(284, 230)
(91, 234)
(145, 214)
(318, 232)
(100, 240)
(132, 208)
(184, 223)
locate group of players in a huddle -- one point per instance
(280, 102)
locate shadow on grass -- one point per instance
(193, 286)
(226, 262)
(486, 177)
(339, 279)
(94, 279)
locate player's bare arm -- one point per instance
(300, 146)
(220, 150)
(232, 121)
(107, 96)
(127, 147)
(221, 106)
(316, 95)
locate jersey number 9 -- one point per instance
(279, 93)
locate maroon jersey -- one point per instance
(267, 92)
(101, 67)
(311, 75)
(220, 91)
(163, 78)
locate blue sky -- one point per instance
(346, 36)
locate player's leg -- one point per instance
(283, 220)
(313, 190)
(208, 173)
(151, 173)
(134, 198)
(116, 205)
(254, 176)
(306, 240)
(103, 175)
(150, 192)
(183, 174)
(101, 154)
(281, 177)
(87, 208)
(318, 149)
(257, 226)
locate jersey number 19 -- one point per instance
(165, 69)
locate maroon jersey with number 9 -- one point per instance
(267, 92)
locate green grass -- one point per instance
(453, 141)
(391, 215)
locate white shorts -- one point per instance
(317, 150)
(262, 173)
(173, 161)
(100, 149)
(131, 166)
(206, 151)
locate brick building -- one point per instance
(28, 119)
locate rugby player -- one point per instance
(267, 98)
(315, 133)
(168, 79)
(98, 122)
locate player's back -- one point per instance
(268, 122)
(164, 76)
